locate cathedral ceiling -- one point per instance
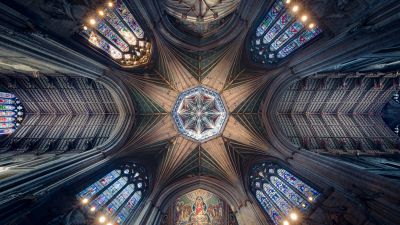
(58, 109)
(339, 113)
(221, 63)
(201, 18)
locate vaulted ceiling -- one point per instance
(218, 59)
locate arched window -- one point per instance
(11, 113)
(285, 28)
(115, 196)
(282, 195)
(116, 32)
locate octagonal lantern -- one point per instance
(200, 113)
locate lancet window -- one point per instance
(286, 27)
(115, 196)
(281, 194)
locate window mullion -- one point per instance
(108, 41)
(273, 22)
(283, 30)
(117, 33)
(283, 195)
(271, 200)
(126, 24)
(114, 196)
(104, 188)
(126, 201)
(293, 188)
(291, 39)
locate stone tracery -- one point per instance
(200, 113)
(219, 158)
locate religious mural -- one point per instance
(199, 207)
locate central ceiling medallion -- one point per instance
(200, 113)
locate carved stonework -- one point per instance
(67, 9)
(200, 17)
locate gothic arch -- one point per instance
(224, 190)
(294, 31)
(105, 103)
(68, 63)
(239, 203)
(77, 211)
(321, 130)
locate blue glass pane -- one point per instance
(7, 101)
(279, 201)
(271, 16)
(120, 199)
(107, 32)
(129, 19)
(99, 42)
(279, 192)
(7, 113)
(129, 206)
(304, 37)
(107, 194)
(117, 32)
(280, 34)
(134, 200)
(11, 113)
(268, 207)
(6, 95)
(99, 185)
(6, 131)
(306, 190)
(278, 27)
(120, 27)
(289, 33)
(296, 200)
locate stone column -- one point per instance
(351, 193)
(247, 214)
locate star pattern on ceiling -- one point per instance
(180, 65)
(219, 156)
(199, 113)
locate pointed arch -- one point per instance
(281, 194)
(117, 194)
(117, 33)
(285, 28)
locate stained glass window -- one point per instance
(11, 113)
(115, 195)
(280, 193)
(281, 32)
(116, 32)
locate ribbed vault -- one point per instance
(66, 115)
(62, 106)
(325, 113)
(336, 113)
(180, 157)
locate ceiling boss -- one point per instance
(200, 113)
